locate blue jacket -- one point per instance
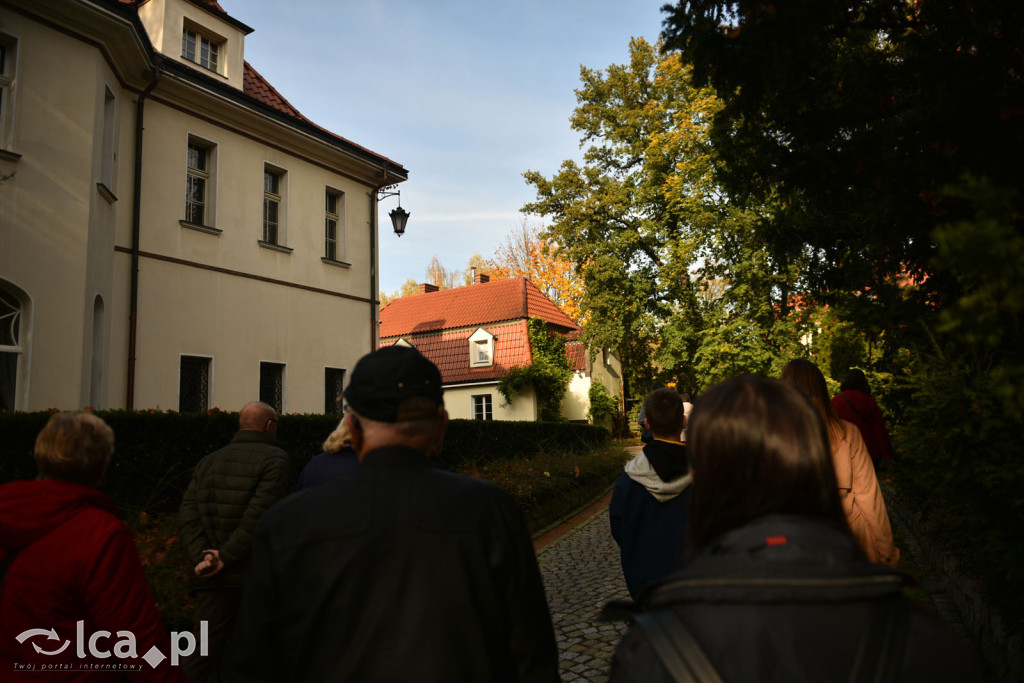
(649, 515)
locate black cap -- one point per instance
(384, 378)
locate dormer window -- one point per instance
(198, 48)
(481, 349)
(404, 342)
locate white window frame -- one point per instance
(278, 199)
(207, 175)
(108, 152)
(23, 343)
(334, 217)
(209, 377)
(284, 383)
(8, 72)
(482, 406)
(481, 349)
(202, 48)
(344, 373)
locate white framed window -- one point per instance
(334, 384)
(273, 205)
(482, 407)
(272, 385)
(108, 159)
(481, 349)
(201, 49)
(334, 225)
(8, 61)
(194, 383)
(12, 348)
(200, 164)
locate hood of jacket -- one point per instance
(640, 470)
(31, 509)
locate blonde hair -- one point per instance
(74, 447)
(338, 439)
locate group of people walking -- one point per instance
(755, 548)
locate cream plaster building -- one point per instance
(173, 233)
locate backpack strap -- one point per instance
(880, 653)
(676, 647)
(854, 408)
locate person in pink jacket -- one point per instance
(854, 404)
(859, 491)
(74, 601)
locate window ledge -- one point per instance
(8, 155)
(333, 262)
(209, 230)
(106, 193)
(275, 247)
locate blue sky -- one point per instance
(466, 95)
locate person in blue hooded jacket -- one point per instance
(649, 510)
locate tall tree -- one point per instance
(866, 120)
(650, 233)
(526, 253)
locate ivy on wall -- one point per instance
(549, 374)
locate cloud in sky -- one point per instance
(466, 95)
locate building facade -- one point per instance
(173, 233)
(475, 334)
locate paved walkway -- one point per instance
(581, 573)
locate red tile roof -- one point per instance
(471, 306)
(254, 85)
(449, 351)
(577, 355)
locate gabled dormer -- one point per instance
(481, 349)
(402, 341)
(198, 33)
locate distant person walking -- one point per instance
(230, 490)
(858, 485)
(855, 404)
(66, 559)
(650, 505)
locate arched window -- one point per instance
(11, 349)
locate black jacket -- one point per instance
(398, 571)
(229, 491)
(789, 599)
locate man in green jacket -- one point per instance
(230, 490)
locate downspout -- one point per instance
(133, 311)
(374, 302)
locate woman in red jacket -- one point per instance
(854, 404)
(75, 604)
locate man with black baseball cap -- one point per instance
(399, 570)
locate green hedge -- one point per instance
(156, 451)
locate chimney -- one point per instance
(481, 278)
(427, 288)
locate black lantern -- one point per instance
(399, 217)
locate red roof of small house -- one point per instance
(577, 355)
(449, 351)
(474, 306)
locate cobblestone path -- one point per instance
(581, 573)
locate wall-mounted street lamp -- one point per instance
(399, 216)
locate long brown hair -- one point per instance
(757, 447)
(806, 377)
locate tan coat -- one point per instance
(862, 496)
